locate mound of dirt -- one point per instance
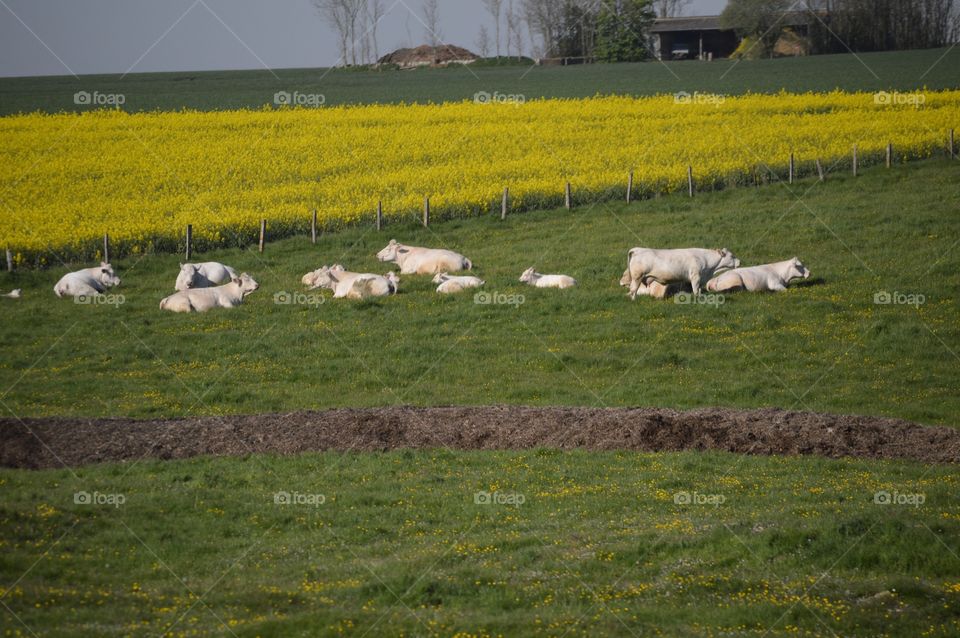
(55, 442)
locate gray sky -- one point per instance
(63, 37)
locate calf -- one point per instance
(87, 282)
(678, 265)
(229, 295)
(204, 275)
(352, 285)
(451, 284)
(414, 260)
(537, 280)
(772, 277)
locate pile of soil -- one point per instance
(55, 442)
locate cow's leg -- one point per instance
(695, 282)
(634, 286)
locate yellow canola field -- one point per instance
(66, 179)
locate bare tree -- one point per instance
(335, 14)
(514, 30)
(544, 17)
(374, 12)
(669, 8)
(494, 7)
(483, 41)
(431, 21)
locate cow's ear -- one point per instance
(181, 265)
(403, 251)
(104, 264)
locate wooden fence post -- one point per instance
(690, 180)
(505, 203)
(106, 247)
(629, 186)
(189, 241)
(889, 154)
(9, 260)
(952, 154)
(313, 227)
(854, 160)
(426, 211)
(379, 215)
(790, 177)
(263, 232)
(819, 169)
(568, 197)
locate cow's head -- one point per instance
(390, 252)
(727, 260)
(797, 270)
(247, 284)
(189, 276)
(440, 277)
(106, 276)
(527, 275)
(625, 280)
(325, 277)
(309, 279)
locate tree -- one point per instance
(343, 16)
(622, 28)
(431, 21)
(483, 41)
(493, 7)
(759, 20)
(374, 13)
(882, 25)
(669, 8)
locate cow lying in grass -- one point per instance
(678, 265)
(535, 279)
(87, 282)
(452, 284)
(772, 277)
(229, 295)
(414, 260)
(205, 275)
(352, 285)
(654, 289)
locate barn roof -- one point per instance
(712, 23)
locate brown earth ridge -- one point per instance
(38, 443)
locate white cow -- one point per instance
(229, 295)
(414, 260)
(352, 285)
(537, 280)
(451, 284)
(87, 282)
(773, 277)
(14, 294)
(205, 275)
(677, 265)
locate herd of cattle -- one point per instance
(652, 272)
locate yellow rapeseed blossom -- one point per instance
(65, 179)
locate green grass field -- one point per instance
(599, 545)
(910, 70)
(823, 345)
(603, 542)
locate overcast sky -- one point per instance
(63, 37)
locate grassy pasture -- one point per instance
(823, 345)
(601, 544)
(214, 90)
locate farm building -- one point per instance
(696, 37)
